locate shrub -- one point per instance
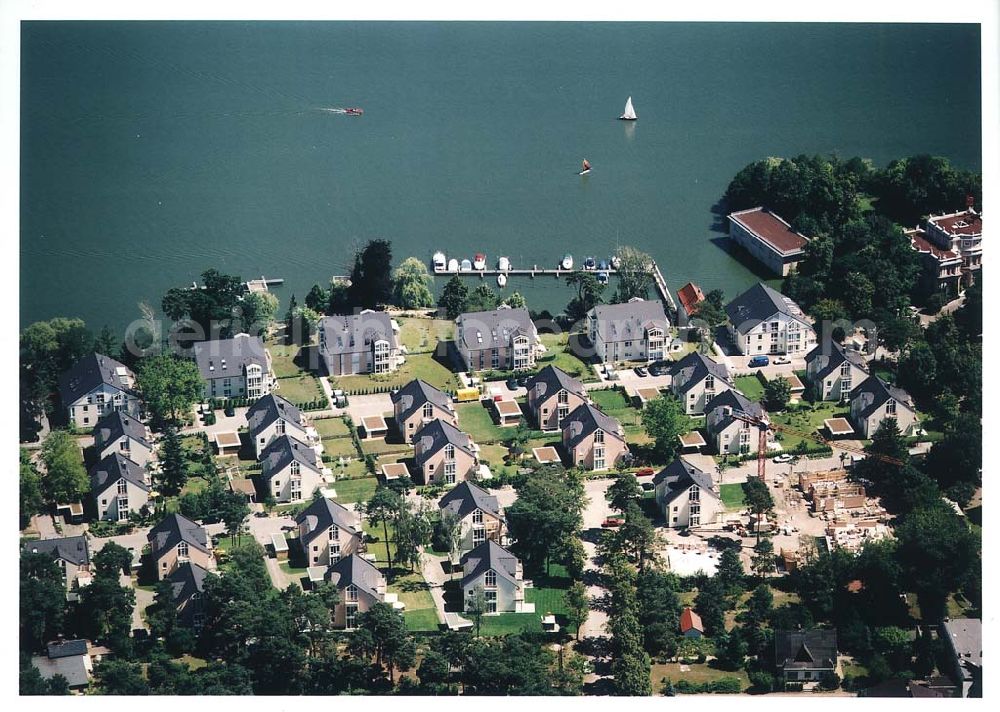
(829, 680)
(761, 681)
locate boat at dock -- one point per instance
(616, 262)
(589, 263)
(567, 261)
(603, 265)
(453, 265)
(629, 114)
(502, 280)
(479, 261)
(602, 277)
(503, 264)
(586, 168)
(466, 266)
(440, 261)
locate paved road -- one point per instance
(594, 627)
(278, 577)
(433, 572)
(263, 527)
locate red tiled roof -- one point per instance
(771, 229)
(964, 223)
(921, 244)
(690, 620)
(689, 296)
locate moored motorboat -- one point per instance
(479, 261)
(616, 262)
(440, 261)
(603, 265)
(567, 261)
(589, 263)
(503, 264)
(502, 280)
(453, 265)
(466, 266)
(602, 277)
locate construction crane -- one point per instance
(763, 425)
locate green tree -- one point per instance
(173, 471)
(476, 607)
(371, 281)
(113, 676)
(112, 560)
(623, 491)
(515, 301)
(630, 664)
(169, 386)
(483, 298)
(392, 644)
(107, 607)
(30, 490)
(435, 674)
(66, 478)
(257, 312)
(413, 529)
(634, 276)
(659, 611)
(318, 299)
(448, 535)
(588, 294)
(731, 650)
(910, 188)
(548, 511)
(762, 561)
(42, 600)
(709, 603)
(665, 421)
(383, 508)
(777, 393)
(514, 665)
(47, 349)
(730, 572)
(454, 298)
(577, 605)
(412, 285)
(757, 498)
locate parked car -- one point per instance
(512, 384)
(758, 361)
(782, 360)
(641, 372)
(648, 486)
(612, 522)
(523, 381)
(655, 370)
(230, 411)
(645, 472)
(782, 458)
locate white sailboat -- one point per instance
(629, 114)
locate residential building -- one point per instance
(688, 298)
(177, 540)
(552, 395)
(271, 417)
(696, 379)
(290, 470)
(497, 572)
(804, 655)
(964, 644)
(95, 386)
(691, 625)
(593, 440)
(943, 263)
(360, 586)
(120, 432)
(765, 321)
(119, 487)
(239, 367)
(366, 342)
(418, 403)
(728, 434)
(443, 453)
(188, 581)
(686, 495)
(504, 339)
(479, 514)
(767, 237)
(875, 400)
(72, 659)
(328, 532)
(834, 370)
(942, 238)
(637, 330)
(72, 555)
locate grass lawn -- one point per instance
(476, 420)
(697, 673)
(339, 447)
(807, 418)
(292, 571)
(560, 356)
(616, 404)
(416, 366)
(419, 613)
(300, 389)
(331, 428)
(283, 359)
(732, 496)
(192, 662)
(494, 455)
(750, 386)
(194, 485)
(378, 547)
(359, 489)
(378, 446)
(637, 435)
(422, 335)
(506, 623)
(687, 348)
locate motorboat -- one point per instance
(503, 264)
(502, 280)
(466, 266)
(453, 265)
(602, 277)
(603, 265)
(567, 261)
(589, 263)
(479, 261)
(629, 114)
(440, 261)
(616, 262)
(354, 111)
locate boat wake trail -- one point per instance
(333, 111)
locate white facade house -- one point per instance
(874, 400)
(328, 531)
(728, 434)
(290, 470)
(502, 339)
(497, 572)
(239, 367)
(696, 380)
(637, 330)
(764, 321)
(834, 370)
(271, 417)
(119, 487)
(366, 342)
(687, 496)
(768, 238)
(95, 386)
(119, 432)
(479, 514)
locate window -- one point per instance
(491, 601)
(334, 553)
(477, 517)
(428, 411)
(351, 615)
(598, 436)
(351, 593)
(334, 533)
(122, 509)
(563, 397)
(280, 427)
(182, 550)
(122, 487)
(491, 579)
(124, 445)
(496, 358)
(296, 491)
(478, 536)
(296, 467)
(449, 452)
(694, 494)
(450, 471)
(890, 407)
(709, 383)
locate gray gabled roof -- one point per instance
(113, 468)
(91, 372)
(966, 636)
(873, 392)
(467, 497)
(551, 379)
(415, 394)
(321, 514)
(284, 450)
(493, 329)
(268, 409)
(187, 580)
(760, 303)
(694, 367)
(486, 556)
(816, 648)
(435, 435)
(829, 354)
(630, 320)
(354, 333)
(65, 648)
(356, 570)
(116, 424)
(72, 549)
(229, 357)
(718, 411)
(678, 477)
(174, 529)
(585, 419)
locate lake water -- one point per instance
(152, 151)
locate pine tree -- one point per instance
(173, 473)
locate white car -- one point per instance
(782, 458)
(781, 361)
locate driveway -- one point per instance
(223, 423)
(134, 541)
(593, 630)
(359, 407)
(278, 577)
(263, 527)
(432, 570)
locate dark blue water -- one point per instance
(151, 151)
